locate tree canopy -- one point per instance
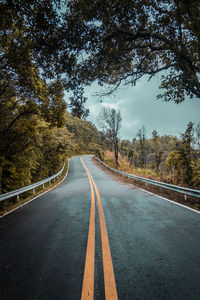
(30, 81)
(119, 41)
(73, 44)
(47, 47)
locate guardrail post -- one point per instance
(185, 197)
(43, 186)
(18, 197)
(34, 191)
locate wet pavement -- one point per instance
(154, 244)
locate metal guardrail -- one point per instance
(175, 188)
(30, 187)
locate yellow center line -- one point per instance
(109, 277)
(88, 278)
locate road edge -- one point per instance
(151, 193)
(25, 203)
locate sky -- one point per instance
(138, 106)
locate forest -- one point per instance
(48, 48)
(170, 159)
(35, 150)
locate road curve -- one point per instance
(153, 246)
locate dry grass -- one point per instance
(124, 166)
(192, 202)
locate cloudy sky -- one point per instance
(138, 106)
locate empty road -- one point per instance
(94, 237)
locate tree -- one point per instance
(174, 163)
(30, 71)
(124, 147)
(30, 33)
(121, 41)
(85, 136)
(31, 89)
(132, 157)
(157, 153)
(186, 151)
(142, 139)
(33, 151)
(111, 122)
(181, 158)
(197, 130)
(76, 105)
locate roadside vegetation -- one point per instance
(166, 158)
(14, 202)
(35, 150)
(45, 51)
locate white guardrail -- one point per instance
(30, 187)
(175, 188)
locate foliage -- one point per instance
(168, 158)
(32, 105)
(34, 149)
(181, 159)
(197, 130)
(85, 136)
(30, 33)
(27, 61)
(31, 151)
(125, 166)
(77, 102)
(142, 139)
(120, 41)
(45, 49)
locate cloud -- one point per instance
(138, 107)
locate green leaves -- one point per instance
(29, 51)
(123, 40)
(77, 102)
(85, 136)
(30, 151)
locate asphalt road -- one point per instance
(154, 245)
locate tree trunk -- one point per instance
(116, 153)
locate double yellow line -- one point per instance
(109, 278)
